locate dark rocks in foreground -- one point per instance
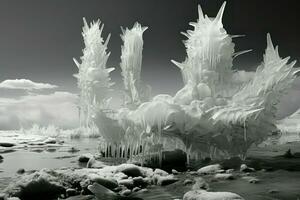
(66, 182)
(128, 180)
(6, 144)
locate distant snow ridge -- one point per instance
(216, 114)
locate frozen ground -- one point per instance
(31, 152)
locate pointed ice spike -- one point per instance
(107, 40)
(76, 62)
(101, 28)
(185, 34)
(144, 28)
(110, 69)
(219, 16)
(123, 30)
(179, 65)
(200, 13)
(237, 36)
(84, 21)
(241, 53)
(269, 41)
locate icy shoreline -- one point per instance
(129, 181)
(58, 161)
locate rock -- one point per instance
(125, 192)
(200, 184)
(102, 192)
(51, 149)
(50, 141)
(37, 185)
(71, 192)
(84, 158)
(160, 172)
(245, 168)
(210, 169)
(148, 180)
(193, 173)
(130, 170)
(136, 189)
(73, 150)
(166, 180)
(108, 183)
(120, 175)
(143, 191)
(127, 183)
(21, 171)
(223, 177)
(187, 182)
(220, 171)
(204, 195)
(1, 157)
(251, 179)
(44, 183)
(232, 163)
(254, 180)
(229, 171)
(6, 144)
(140, 181)
(175, 172)
(9, 150)
(147, 172)
(2, 196)
(119, 188)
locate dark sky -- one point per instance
(39, 38)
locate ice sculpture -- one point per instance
(213, 115)
(93, 75)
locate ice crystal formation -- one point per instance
(93, 75)
(212, 115)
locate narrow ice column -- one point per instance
(131, 61)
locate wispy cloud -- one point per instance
(25, 84)
(58, 108)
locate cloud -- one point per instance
(25, 84)
(58, 108)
